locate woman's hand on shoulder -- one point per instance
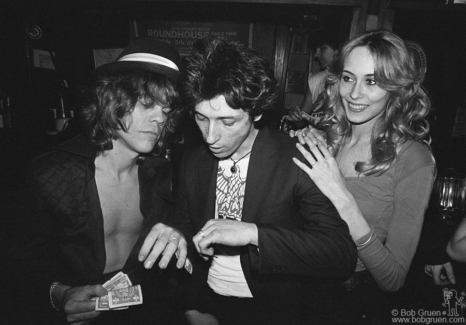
(312, 133)
(322, 168)
(294, 114)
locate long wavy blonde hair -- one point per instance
(404, 117)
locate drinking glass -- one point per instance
(449, 195)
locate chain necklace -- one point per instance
(233, 168)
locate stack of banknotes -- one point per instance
(121, 294)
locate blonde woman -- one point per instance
(375, 165)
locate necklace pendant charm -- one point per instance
(233, 168)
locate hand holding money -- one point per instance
(77, 302)
(121, 294)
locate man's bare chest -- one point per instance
(120, 204)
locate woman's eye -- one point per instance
(371, 82)
(166, 110)
(346, 78)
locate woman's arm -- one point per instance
(327, 176)
(388, 262)
(457, 246)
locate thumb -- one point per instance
(97, 290)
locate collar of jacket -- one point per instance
(153, 168)
(79, 145)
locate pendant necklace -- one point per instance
(233, 168)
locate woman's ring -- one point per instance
(313, 163)
(201, 233)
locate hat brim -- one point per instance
(127, 66)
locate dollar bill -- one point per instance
(122, 281)
(119, 274)
(101, 303)
(125, 297)
(119, 281)
(188, 266)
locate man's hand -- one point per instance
(77, 302)
(196, 318)
(164, 240)
(442, 274)
(224, 232)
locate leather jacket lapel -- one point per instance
(207, 186)
(260, 170)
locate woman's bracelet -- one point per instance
(52, 286)
(367, 241)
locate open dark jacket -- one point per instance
(302, 238)
(64, 239)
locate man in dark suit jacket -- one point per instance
(264, 231)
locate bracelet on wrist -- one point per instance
(52, 286)
(367, 241)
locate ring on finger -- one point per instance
(313, 163)
(173, 239)
(201, 233)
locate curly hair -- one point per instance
(217, 67)
(114, 97)
(404, 117)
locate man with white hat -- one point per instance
(96, 197)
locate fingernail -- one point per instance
(141, 258)
(148, 264)
(162, 265)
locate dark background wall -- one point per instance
(72, 29)
(442, 34)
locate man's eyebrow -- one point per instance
(229, 117)
(197, 113)
(221, 117)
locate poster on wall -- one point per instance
(182, 35)
(43, 59)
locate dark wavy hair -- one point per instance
(404, 117)
(217, 67)
(113, 97)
